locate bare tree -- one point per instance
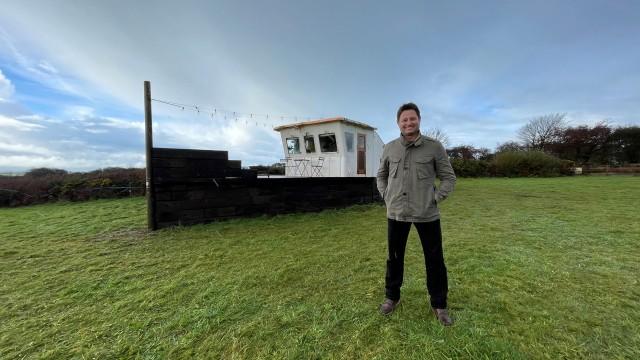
(463, 152)
(538, 133)
(438, 135)
(509, 146)
(468, 152)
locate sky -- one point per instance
(72, 72)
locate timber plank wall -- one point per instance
(199, 186)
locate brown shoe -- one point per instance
(388, 306)
(443, 316)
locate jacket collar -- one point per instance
(416, 142)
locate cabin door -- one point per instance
(362, 156)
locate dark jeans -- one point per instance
(431, 239)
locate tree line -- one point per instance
(600, 144)
(548, 146)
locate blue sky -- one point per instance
(71, 72)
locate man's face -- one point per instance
(409, 123)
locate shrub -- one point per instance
(45, 172)
(275, 169)
(471, 167)
(513, 164)
(530, 163)
(43, 185)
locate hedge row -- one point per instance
(43, 185)
(514, 164)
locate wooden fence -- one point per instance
(630, 169)
(198, 186)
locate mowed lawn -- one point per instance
(538, 268)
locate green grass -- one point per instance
(538, 268)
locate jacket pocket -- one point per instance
(393, 167)
(424, 168)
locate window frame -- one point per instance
(313, 143)
(289, 150)
(335, 142)
(349, 136)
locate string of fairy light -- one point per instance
(248, 118)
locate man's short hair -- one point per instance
(405, 107)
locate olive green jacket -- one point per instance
(406, 178)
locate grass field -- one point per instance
(538, 268)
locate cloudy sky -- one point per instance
(72, 72)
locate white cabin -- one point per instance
(333, 147)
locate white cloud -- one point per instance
(22, 162)
(91, 142)
(44, 65)
(82, 161)
(96, 131)
(24, 149)
(123, 124)
(35, 118)
(31, 117)
(79, 112)
(31, 65)
(7, 122)
(243, 139)
(6, 88)
(70, 142)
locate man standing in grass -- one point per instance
(406, 181)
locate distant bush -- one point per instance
(43, 185)
(530, 163)
(44, 172)
(516, 163)
(471, 167)
(275, 169)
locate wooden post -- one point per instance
(150, 191)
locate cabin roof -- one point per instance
(325, 121)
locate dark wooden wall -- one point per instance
(198, 186)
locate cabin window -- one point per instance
(309, 144)
(349, 140)
(293, 145)
(328, 143)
